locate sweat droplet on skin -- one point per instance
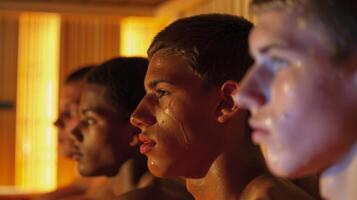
(167, 111)
(287, 90)
(268, 122)
(152, 163)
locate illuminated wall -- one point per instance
(240, 8)
(8, 66)
(136, 34)
(37, 96)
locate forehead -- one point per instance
(286, 27)
(93, 96)
(169, 67)
(70, 94)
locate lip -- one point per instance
(260, 133)
(147, 144)
(77, 155)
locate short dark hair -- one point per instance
(79, 74)
(339, 18)
(124, 80)
(215, 45)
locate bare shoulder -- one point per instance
(160, 189)
(270, 187)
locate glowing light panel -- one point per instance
(136, 34)
(37, 94)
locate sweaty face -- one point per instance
(102, 136)
(177, 119)
(303, 104)
(68, 117)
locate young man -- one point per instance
(302, 91)
(66, 122)
(105, 139)
(190, 126)
(69, 102)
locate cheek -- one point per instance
(286, 90)
(72, 123)
(300, 121)
(286, 106)
(93, 143)
(176, 122)
(288, 111)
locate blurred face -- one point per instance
(303, 105)
(102, 136)
(177, 119)
(68, 117)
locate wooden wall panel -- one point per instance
(87, 40)
(8, 71)
(235, 7)
(37, 97)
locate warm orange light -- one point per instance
(37, 94)
(136, 34)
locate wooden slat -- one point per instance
(8, 70)
(65, 7)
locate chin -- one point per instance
(84, 171)
(161, 170)
(157, 171)
(287, 169)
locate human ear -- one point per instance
(227, 107)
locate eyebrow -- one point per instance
(154, 83)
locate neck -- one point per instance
(238, 164)
(339, 181)
(129, 175)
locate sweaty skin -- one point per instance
(170, 114)
(197, 132)
(302, 102)
(185, 137)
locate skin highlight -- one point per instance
(294, 66)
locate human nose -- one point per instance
(59, 123)
(75, 130)
(142, 116)
(254, 89)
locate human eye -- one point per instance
(277, 63)
(161, 93)
(88, 121)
